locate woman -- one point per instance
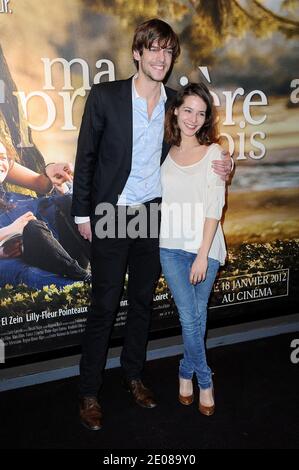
(49, 249)
(191, 243)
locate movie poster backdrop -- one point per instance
(50, 55)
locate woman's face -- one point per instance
(191, 115)
(4, 163)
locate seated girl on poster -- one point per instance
(192, 245)
(39, 242)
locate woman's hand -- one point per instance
(198, 270)
(20, 223)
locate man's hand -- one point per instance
(85, 230)
(60, 173)
(223, 167)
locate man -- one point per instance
(118, 162)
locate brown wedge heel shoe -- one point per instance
(207, 410)
(186, 400)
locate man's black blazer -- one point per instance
(104, 153)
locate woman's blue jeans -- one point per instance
(191, 301)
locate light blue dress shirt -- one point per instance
(144, 182)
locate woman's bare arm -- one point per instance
(22, 176)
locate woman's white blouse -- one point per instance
(189, 195)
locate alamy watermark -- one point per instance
(2, 352)
(179, 221)
(295, 354)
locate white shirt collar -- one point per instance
(136, 95)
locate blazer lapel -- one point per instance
(127, 117)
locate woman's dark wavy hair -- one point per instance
(208, 134)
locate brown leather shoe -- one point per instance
(142, 395)
(186, 400)
(91, 413)
(207, 410)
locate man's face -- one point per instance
(155, 62)
(4, 163)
